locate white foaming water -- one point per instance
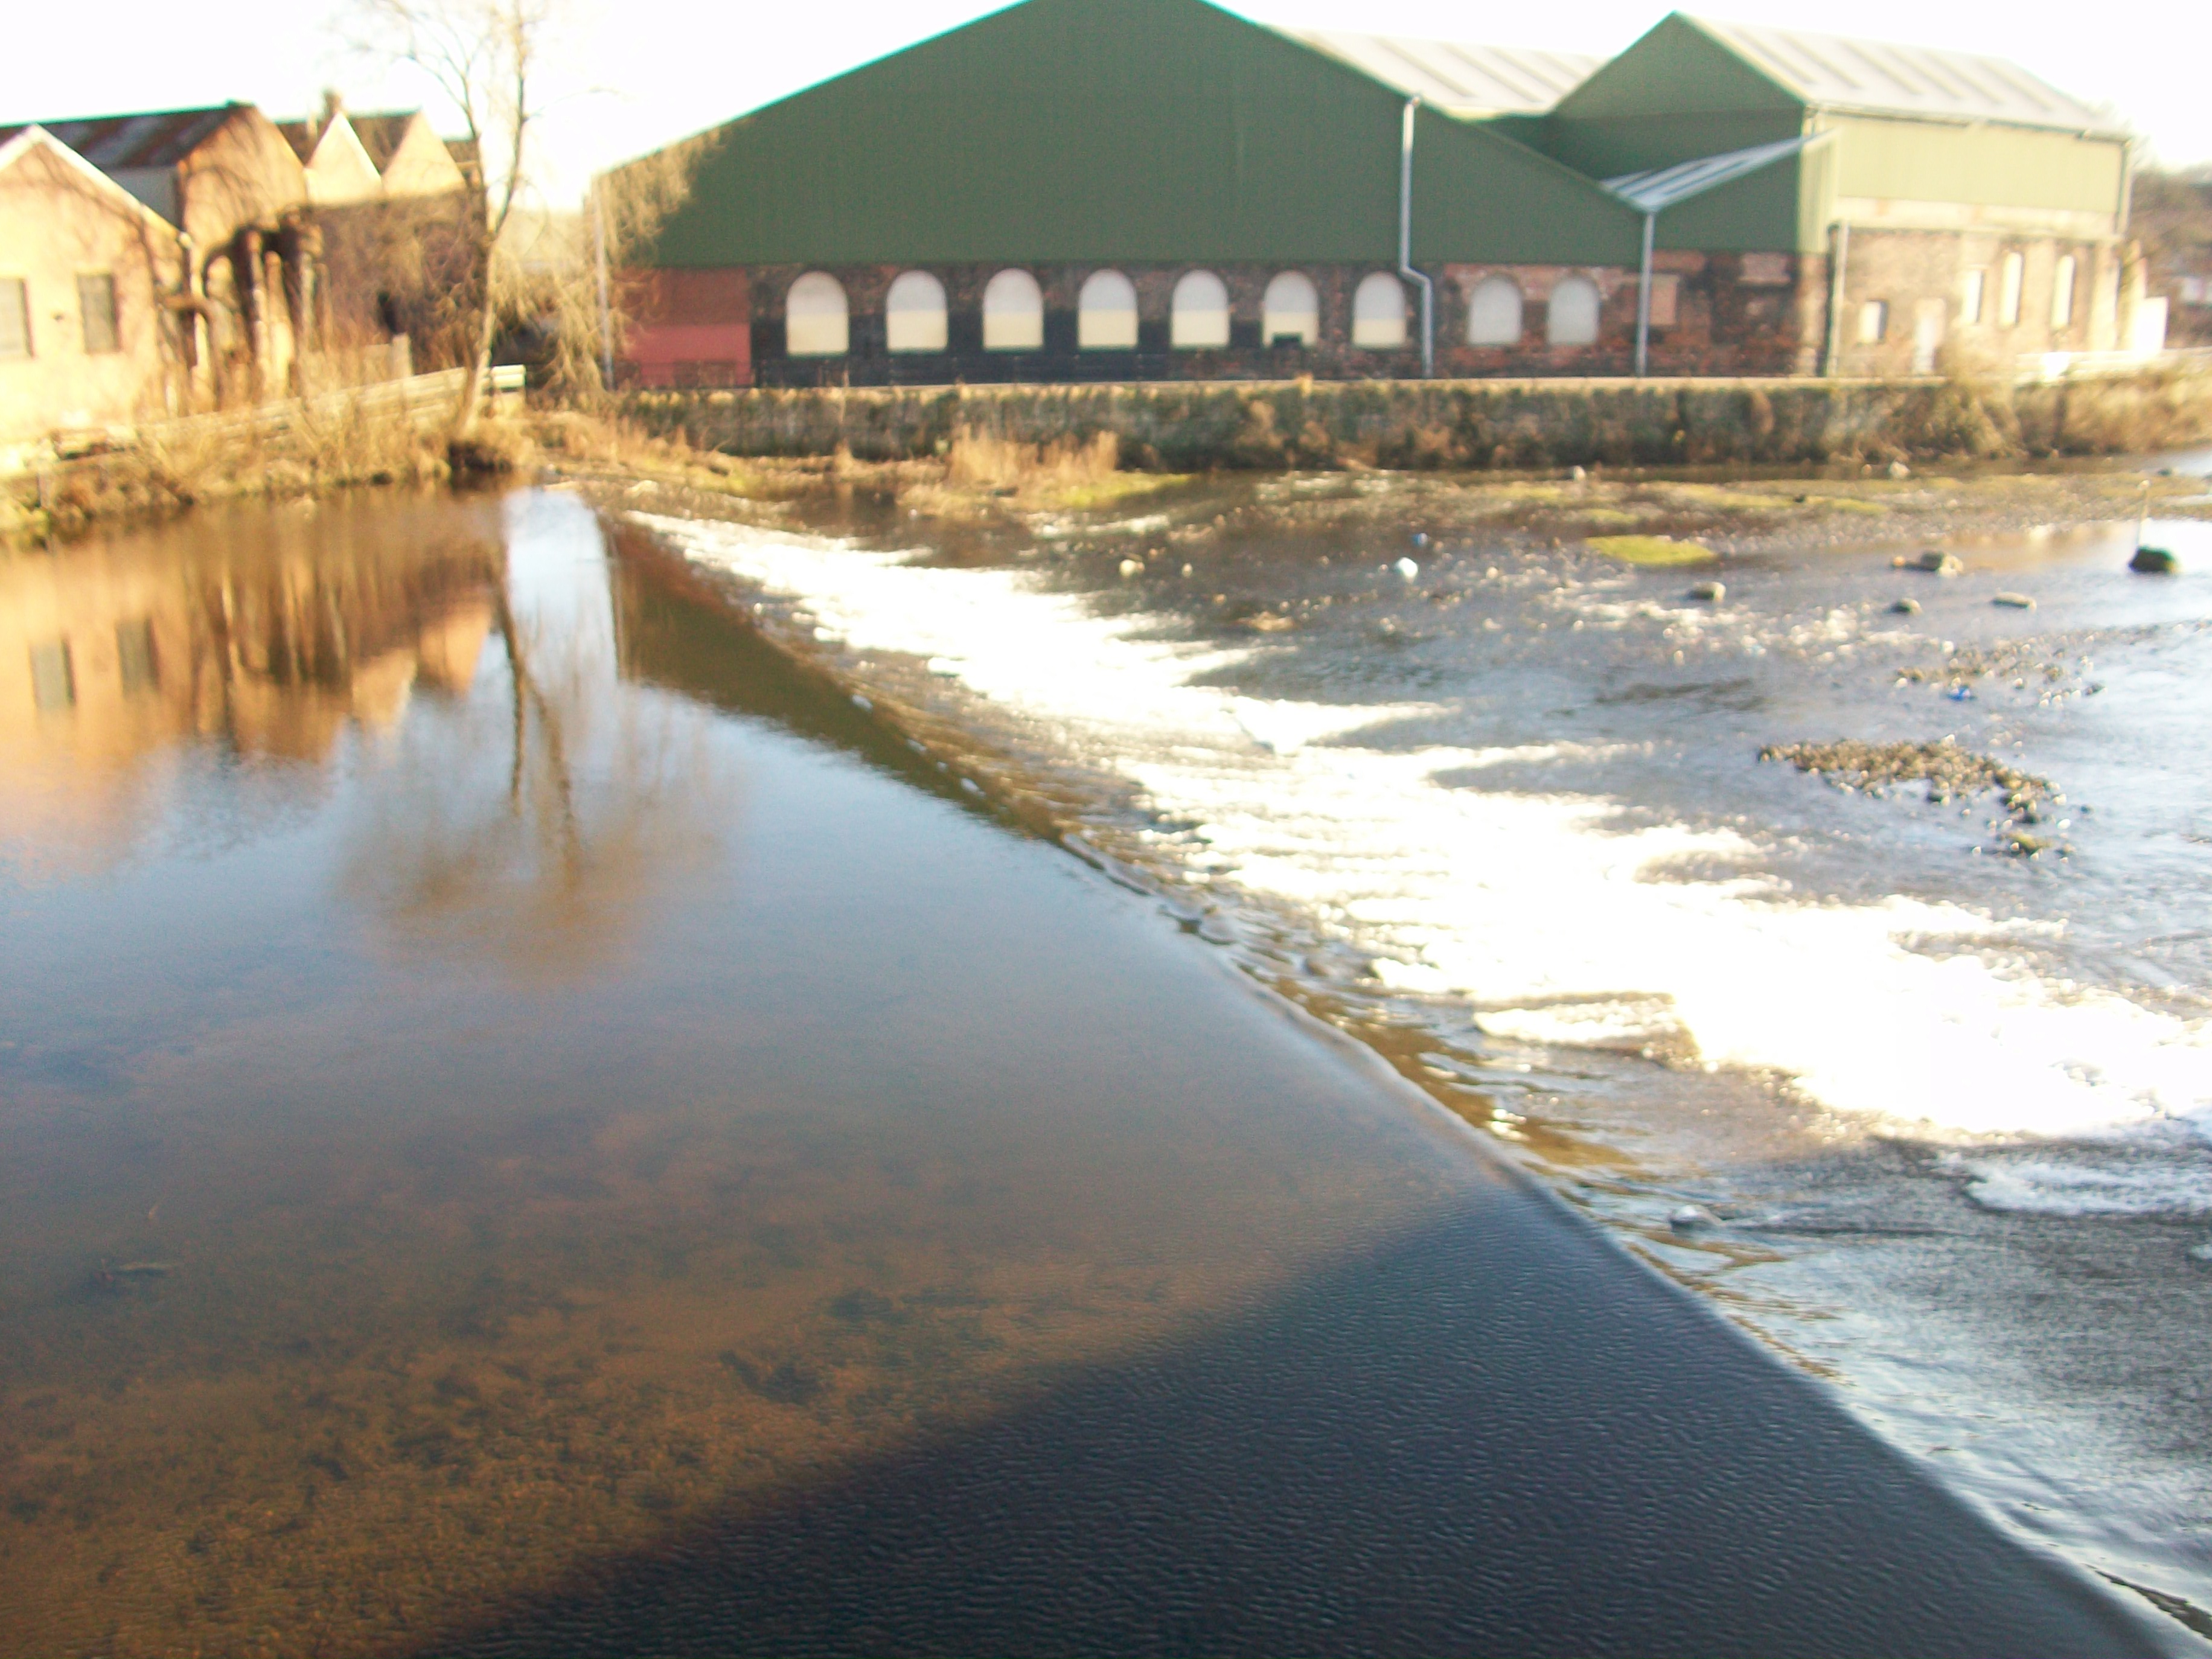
(2073, 1187)
(1558, 925)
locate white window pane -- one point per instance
(1970, 296)
(814, 317)
(1200, 316)
(1378, 312)
(1106, 312)
(2008, 285)
(1572, 315)
(1013, 312)
(1874, 321)
(1291, 310)
(913, 312)
(1493, 313)
(2062, 293)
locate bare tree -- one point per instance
(487, 58)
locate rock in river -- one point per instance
(2154, 561)
(1934, 561)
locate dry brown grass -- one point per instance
(334, 441)
(978, 461)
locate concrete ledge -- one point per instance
(1194, 426)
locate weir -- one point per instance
(1185, 425)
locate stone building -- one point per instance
(393, 212)
(211, 258)
(1152, 189)
(1931, 205)
(87, 334)
(227, 180)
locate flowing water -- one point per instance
(546, 1104)
(1931, 1115)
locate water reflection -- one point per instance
(268, 635)
(355, 1289)
(550, 856)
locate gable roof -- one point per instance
(18, 142)
(160, 139)
(1103, 131)
(1459, 78)
(1834, 71)
(380, 135)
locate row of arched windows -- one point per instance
(1570, 311)
(817, 320)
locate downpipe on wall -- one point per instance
(1405, 242)
(1643, 298)
(1839, 263)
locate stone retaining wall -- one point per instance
(1195, 427)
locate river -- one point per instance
(700, 1089)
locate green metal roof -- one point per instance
(1139, 130)
(1906, 123)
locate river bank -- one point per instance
(301, 449)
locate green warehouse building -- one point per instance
(1085, 190)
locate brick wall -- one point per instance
(1754, 314)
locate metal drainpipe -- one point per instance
(1836, 285)
(1643, 299)
(1406, 243)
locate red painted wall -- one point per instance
(686, 328)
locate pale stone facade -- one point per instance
(87, 337)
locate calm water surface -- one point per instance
(530, 1123)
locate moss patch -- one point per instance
(1652, 549)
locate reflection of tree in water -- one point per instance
(546, 819)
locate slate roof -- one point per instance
(160, 139)
(1458, 77)
(1834, 71)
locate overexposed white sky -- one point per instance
(631, 75)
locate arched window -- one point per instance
(913, 312)
(1201, 315)
(2062, 292)
(2010, 275)
(1378, 312)
(1291, 310)
(1106, 312)
(1573, 312)
(814, 320)
(1493, 313)
(1013, 312)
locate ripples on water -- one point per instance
(1945, 1114)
